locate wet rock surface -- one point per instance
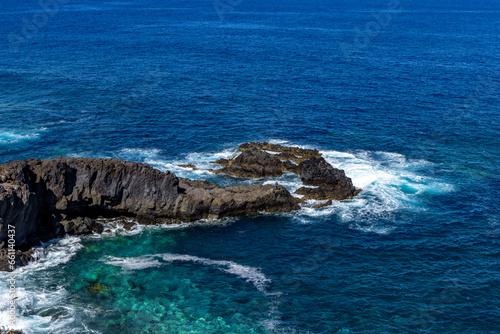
(322, 205)
(252, 163)
(327, 192)
(191, 166)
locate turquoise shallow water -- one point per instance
(412, 117)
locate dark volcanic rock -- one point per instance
(296, 154)
(332, 183)
(45, 199)
(317, 175)
(187, 183)
(255, 162)
(322, 205)
(312, 168)
(35, 195)
(324, 192)
(223, 162)
(193, 167)
(252, 163)
(316, 163)
(217, 202)
(128, 225)
(82, 226)
(203, 199)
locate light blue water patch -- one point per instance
(160, 293)
(13, 137)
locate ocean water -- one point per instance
(402, 95)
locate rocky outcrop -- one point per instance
(41, 198)
(322, 205)
(291, 153)
(265, 160)
(331, 183)
(81, 226)
(252, 163)
(205, 200)
(327, 192)
(191, 166)
(271, 160)
(44, 199)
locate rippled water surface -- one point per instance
(410, 112)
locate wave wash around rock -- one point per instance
(264, 160)
(46, 199)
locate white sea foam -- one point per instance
(54, 254)
(138, 153)
(134, 263)
(115, 226)
(279, 142)
(390, 182)
(154, 157)
(36, 293)
(39, 299)
(249, 274)
(11, 137)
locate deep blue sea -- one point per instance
(402, 95)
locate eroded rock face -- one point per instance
(256, 161)
(252, 163)
(36, 195)
(45, 199)
(206, 200)
(331, 183)
(291, 153)
(81, 226)
(322, 205)
(327, 192)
